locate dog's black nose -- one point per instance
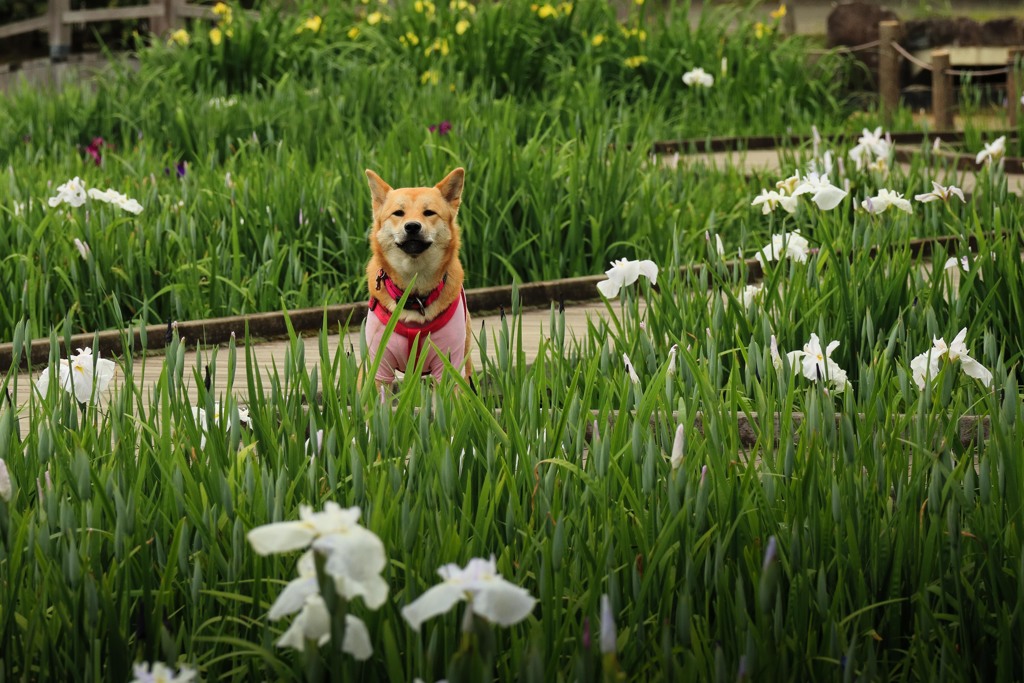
(412, 227)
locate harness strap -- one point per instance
(395, 293)
(411, 330)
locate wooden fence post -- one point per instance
(1014, 85)
(942, 90)
(60, 33)
(888, 68)
(789, 21)
(158, 22)
(168, 20)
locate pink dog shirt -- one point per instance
(447, 332)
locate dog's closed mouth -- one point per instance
(414, 247)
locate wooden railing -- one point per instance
(1010, 61)
(163, 16)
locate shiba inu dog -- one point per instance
(415, 243)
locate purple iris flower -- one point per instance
(442, 128)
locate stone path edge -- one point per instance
(215, 331)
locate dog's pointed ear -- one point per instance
(378, 189)
(451, 187)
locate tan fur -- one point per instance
(436, 210)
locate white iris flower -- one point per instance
(926, 365)
(993, 152)
(791, 245)
(71, 192)
(698, 77)
(884, 199)
(489, 595)
(624, 273)
(79, 374)
(940, 193)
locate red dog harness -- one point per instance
(410, 330)
(399, 348)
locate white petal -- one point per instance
(623, 271)
(976, 370)
(608, 637)
(103, 373)
(332, 519)
(923, 367)
(313, 446)
(792, 186)
(627, 271)
(357, 639)
(672, 360)
(357, 557)
(81, 379)
(828, 198)
(43, 383)
(280, 537)
(953, 262)
(794, 358)
(64, 376)
(803, 188)
(373, 589)
(813, 345)
(797, 247)
(436, 600)
(957, 347)
(243, 415)
(649, 269)
(293, 637)
(5, 482)
(293, 597)
(677, 447)
(132, 206)
(764, 198)
(478, 569)
(629, 368)
(810, 368)
(312, 623)
(503, 603)
(838, 377)
(774, 352)
(750, 294)
(609, 288)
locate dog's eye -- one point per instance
(428, 212)
(399, 213)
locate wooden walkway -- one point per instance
(535, 326)
(768, 162)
